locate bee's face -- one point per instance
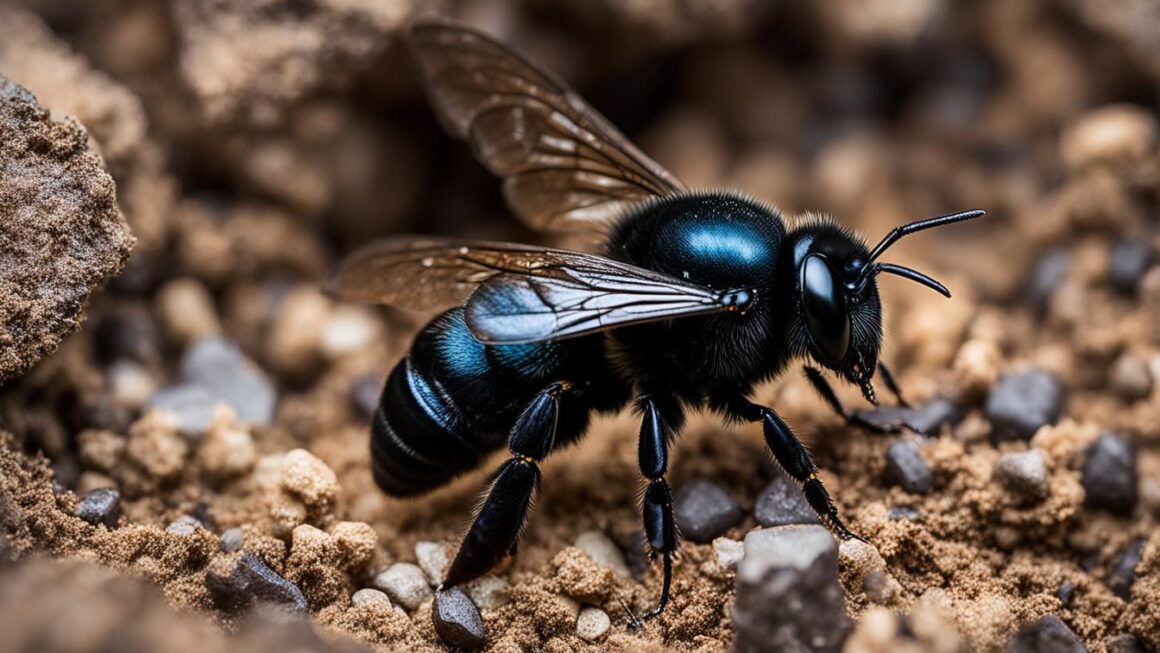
(840, 313)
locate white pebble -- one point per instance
(183, 526)
(434, 559)
(370, 595)
(728, 552)
(489, 592)
(592, 624)
(406, 584)
(603, 551)
(349, 329)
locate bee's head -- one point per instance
(839, 316)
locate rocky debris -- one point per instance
(1109, 475)
(434, 559)
(308, 478)
(926, 418)
(1066, 593)
(1123, 575)
(219, 366)
(239, 582)
(579, 577)
(1023, 473)
(703, 510)
(405, 583)
(61, 230)
(728, 552)
(364, 394)
(1125, 643)
(782, 503)
(1049, 272)
(788, 597)
(100, 506)
(1130, 377)
(489, 592)
(603, 551)
(183, 526)
(1115, 134)
(192, 406)
(1128, 262)
(592, 624)
(370, 595)
(186, 310)
(1023, 402)
(909, 513)
(457, 620)
(356, 542)
(907, 469)
(226, 450)
(232, 540)
(1045, 635)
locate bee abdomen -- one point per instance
(419, 438)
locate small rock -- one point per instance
(1024, 473)
(1130, 377)
(356, 541)
(1125, 643)
(1045, 635)
(130, 383)
(592, 624)
(307, 477)
(782, 503)
(434, 559)
(929, 417)
(187, 311)
(788, 597)
(405, 583)
(1123, 575)
(226, 450)
(1112, 134)
(603, 551)
(219, 366)
(728, 552)
(100, 506)
(1128, 261)
(232, 540)
(457, 620)
(704, 511)
(370, 595)
(364, 394)
(489, 592)
(1048, 273)
(1023, 402)
(183, 526)
(905, 468)
(242, 582)
(1109, 475)
(1066, 593)
(349, 329)
(192, 406)
(909, 513)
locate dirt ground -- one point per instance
(252, 145)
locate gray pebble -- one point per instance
(405, 583)
(1023, 402)
(1023, 473)
(602, 550)
(1130, 377)
(926, 419)
(1125, 643)
(1045, 277)
(782, 503)
(704, 511)
(907, 469)
(1045, 635)
(788, 597)
(248, 581)
(909, 513)
(232, 540)
(592, 624)
(1123, 575)
(184, 525)
(100, 506)
(370, 595)
(219, 366)
(1109, 475)
(457, 620)
(1066, 593)
(1128, 261)
(192, 405)
(364, 394)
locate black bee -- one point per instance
(697, 297)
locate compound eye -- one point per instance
(825, 309)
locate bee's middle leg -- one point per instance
(660, 422)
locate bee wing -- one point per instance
(565, 167)
(521, 293)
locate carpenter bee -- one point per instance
(696, 298)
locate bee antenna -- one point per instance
(914, 227)
(913, 275)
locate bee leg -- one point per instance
(500, 519)
(831, 398)
(658, 426)
(891, 384)
(791, 454)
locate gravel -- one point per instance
(788, 597)
(457, 620)
(1024, 474)
(592, 624)
(926, 419)
(1045, 635)
(434, 558)
(703, 510)
(1130, 377)
(1022, 402)
(192, 405)
(782, 503)
(603, 551)
(907, 469)
(728, 552)
(909, 513)
(1109, 475)
(1123, 575)
(232, 540)
(100, 506)
(246, 581)
(405, 583)
(370, 595)
(1045, 277)
(489, 592)
(219, 366)
(183, 526)
(1128, 261)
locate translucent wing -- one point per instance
(521, 293)
(565, 167)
